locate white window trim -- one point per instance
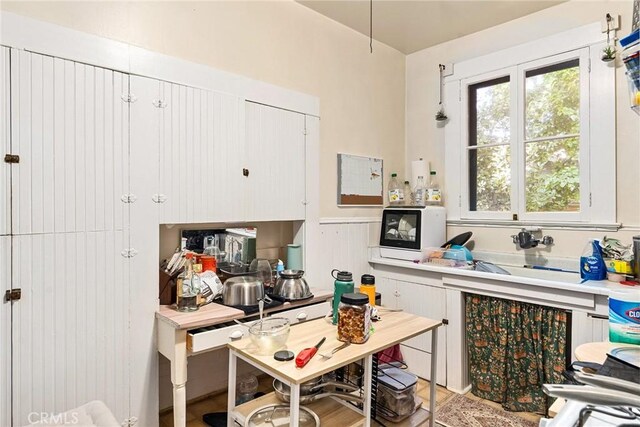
(598, 205)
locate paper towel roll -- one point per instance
(418, 168)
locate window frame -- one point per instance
(598, 205)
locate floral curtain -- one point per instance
(514, 348)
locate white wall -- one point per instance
(425, 139)
(280, 42)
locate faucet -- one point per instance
(526, 240)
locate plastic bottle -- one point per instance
(279, 267)
(396, 196)
(418, 191)
(433, 195)
(343, 284)
(368, 287)
(407, 193)
(592, 265)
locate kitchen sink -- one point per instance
(555, 276)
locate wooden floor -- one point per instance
(218, 403)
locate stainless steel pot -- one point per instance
(313, 390)
(242, 290)
(291, 286)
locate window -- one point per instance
(527, 140)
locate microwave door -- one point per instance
(401, 229)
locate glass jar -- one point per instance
(354, 318)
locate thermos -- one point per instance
(342, 285)
(368, 287)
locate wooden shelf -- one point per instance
(331, 413)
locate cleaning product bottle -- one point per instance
(279, 267)
(592, 266)
(624, 316)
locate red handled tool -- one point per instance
(305, 355)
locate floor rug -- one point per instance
(460, 411)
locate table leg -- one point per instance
(294, 405)
(179, 378)
(368, 367)
(231, 388)
(434, 372)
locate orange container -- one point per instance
(208, 263)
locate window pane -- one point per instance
(489, 112)
(490, 179)
(553, 176)
(552, 105)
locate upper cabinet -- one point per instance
(69, 127)
(201, 155)
(275, 150)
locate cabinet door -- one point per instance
(201, 156)
(5, 142)
(5, 332)
(69, 125)
(430, 302)
(71, 326)
(275, 147)
(387, 289)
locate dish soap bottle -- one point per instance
(433, 196)
(396, 196)
(592, 266)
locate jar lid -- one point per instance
(354, 299)
(368, 279)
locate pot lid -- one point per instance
(278, 415)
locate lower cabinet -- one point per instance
(587, 327)
(421, 300)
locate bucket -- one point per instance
(624, 316)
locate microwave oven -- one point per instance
(406, 231)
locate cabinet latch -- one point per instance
(445, 321)
(131, 98)
(158, 103)
(245, 172)
(11, 158)
(159, 198)
(13, 295)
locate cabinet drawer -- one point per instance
(309, 312)
(216, 336)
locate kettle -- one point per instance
(343, 285)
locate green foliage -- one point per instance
(552, 108)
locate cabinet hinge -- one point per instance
(158, 103)
(159, 198)
(131, 98)
(445, 321)
(11, 158)
(304, 132)
(128, 198)
(590, 200)
(12, 295)
(589, 65)
(459, 201)
(129, 253)
(129, 422)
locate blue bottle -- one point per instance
(592, 266)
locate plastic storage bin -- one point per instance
(396, 398)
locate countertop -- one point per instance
(541, 278)
(213, 314)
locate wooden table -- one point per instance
(173, 327)
(393, 328)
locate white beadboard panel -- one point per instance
(344, 247)
(5, 332)
(586, 328)
(201, 152)
(69, 126)
(144, 238)
(71, 327)
(311, 238)
(275, 149)
(5, 142)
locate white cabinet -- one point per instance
(587, 327)
(421, 300)
(201, 155)
(275, 149)
(5, 332)
(69, 126)
(5, 142)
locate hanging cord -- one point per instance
(371, 26)
(441, 68)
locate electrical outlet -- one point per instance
(614, 24)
